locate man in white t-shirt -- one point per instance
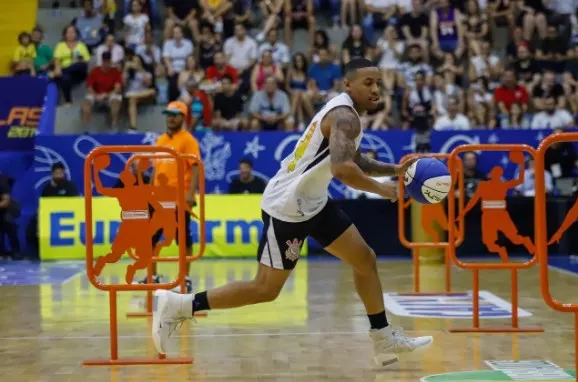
(453, 120)
(241, 52)
(135, 24)
(175, 53)
(279, 50)
(552, 118)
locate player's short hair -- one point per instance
(246, 161)
(357, 63)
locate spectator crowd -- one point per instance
(446, 65)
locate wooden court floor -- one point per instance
(315, 331)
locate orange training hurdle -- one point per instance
(202, 234)
(431, 211)
(495, 219)
(134, 233)
(540, 227)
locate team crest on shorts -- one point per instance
(293, 251)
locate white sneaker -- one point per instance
(170, 310)
(389, 342)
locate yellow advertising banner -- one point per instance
(233, 227)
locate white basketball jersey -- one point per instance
(299, 189)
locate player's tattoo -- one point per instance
(344, 129)
(373, 167)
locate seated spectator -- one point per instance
(528, 187)
(486, 65)
(547, 88)
(115, 49)
(533, 17)
(239, 13)
(148, 7)
(451, 72)
(391, 50)
(228, 113)
(418, 109)
(526, 67)
(241, 53)
(472, 175)
(272, 13)
(560, 14)
(264, 69)
(279, 50)
(91, 26)
(181, 13)
(175, 53)
(199, 104)
(106, 8)
(482, 117)
(150, 53)
(516, 119)
(503, 13)
(299, 14)
(220, 69)
(447, 30)
(453, 120)
(561, 159)
(377, 15)
(479, 93)
(324, 80)
(104, 86)
(192, 71)
(476, 27)
(246, 182)
(321, 41)
(443, 91)
(552, 117)
(297, 86)
(414, 26)
(379, 119)
(24, 56)
(139, 87)
(415, 63)
(44, 53)
(9, 212)
(553, 51)
(212, 12)
(71, 59)
(512, 47)
(135, 24)
(269, 107)
(509, 93)
(59, 185)
(161, 85)
(356, 46)
(209, 46)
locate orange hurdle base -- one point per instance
(133, 361)
(499, 329)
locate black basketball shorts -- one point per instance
(281, 242)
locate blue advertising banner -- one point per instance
(222, 152)
(21, 104)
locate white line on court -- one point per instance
(563, 271)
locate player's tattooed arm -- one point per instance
(345, 127)
(374, 167)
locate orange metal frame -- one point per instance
(477, 267)
(416, 247)
(540, 226)
(202, 233)
(115, 288)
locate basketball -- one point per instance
(427, 181)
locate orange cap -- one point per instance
(176, 107)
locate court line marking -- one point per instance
(563, 271)
(74, 276)
(226, 335)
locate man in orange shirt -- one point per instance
(179, 139)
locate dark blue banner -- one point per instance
(222, 151)
(21, 104)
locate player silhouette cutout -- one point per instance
(165, 219)
(568, 221)
(134, 230)
(430, 215)
(495, 216)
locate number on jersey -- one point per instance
(301, 147)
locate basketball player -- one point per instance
(295, 205)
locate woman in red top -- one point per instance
(265, 69)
